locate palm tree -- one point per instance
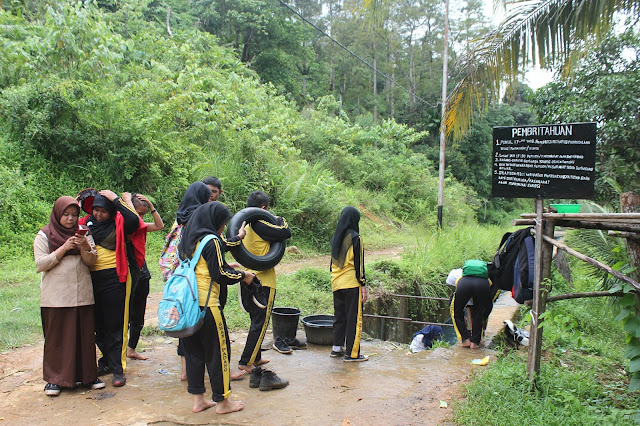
(548, 31)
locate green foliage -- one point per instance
(582, 375)
(605, 89)
(449, 248)
(318, 279)
(22, 211)
(19, 302)
(578, 393)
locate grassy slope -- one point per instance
(582, 381)
(20, 293)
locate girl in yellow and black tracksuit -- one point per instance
(112, 222)
(209, 346)
(348, 285)
(258, 240)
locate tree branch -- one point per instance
(592, 261)
(168, 24)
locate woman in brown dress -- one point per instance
(62, 254)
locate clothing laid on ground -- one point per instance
(209, 346)
(483, 292)
(111, 278)
(257, 241)
(347, 279)
(66, 303)
(423, 339)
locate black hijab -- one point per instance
(101, 230)
(196, 195)
(204, 220)
(346, 233)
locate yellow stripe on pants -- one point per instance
(453, 318)
(358, 336)
(254, 354)
(224, 350)
(125, 327)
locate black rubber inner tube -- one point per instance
(244, 256)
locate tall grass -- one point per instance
(449, 248)
(582, 379)
(19, 303)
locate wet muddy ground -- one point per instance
(393, 388)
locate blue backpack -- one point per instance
(179, 313)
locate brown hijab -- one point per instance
(55, 232)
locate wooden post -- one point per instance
(542, 270)
(403, 310)
(630, 203)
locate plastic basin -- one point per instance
(318, 329)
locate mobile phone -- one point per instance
(82, 231)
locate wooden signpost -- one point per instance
(545, 161)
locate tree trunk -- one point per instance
(630, 203)
(375, 82)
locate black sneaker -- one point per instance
(256, 375)
(103, 369)
(118, 380)
(359, 358)
(281, 346)
(97, 384)
(51, 390)
(271, 381)
(295, 343)
(336, 354)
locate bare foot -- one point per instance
(245, 368)
(228, 406)
(261, 362)
(466, 343)
(183, 373)
(237, 374)
(131, 353)
(201, 404)
(474, 346)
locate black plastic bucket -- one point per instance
(284, 322)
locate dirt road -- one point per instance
(392, 388)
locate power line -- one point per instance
(355, 55)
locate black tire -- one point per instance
(244, 256)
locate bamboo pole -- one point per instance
(567, 296)
(594, 262)
(597, 216)
(619, 234)
(445, 299)
(604, 225)
(535, 338)
(407, 320)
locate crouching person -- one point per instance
(474, 283)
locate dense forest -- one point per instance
(147, 96)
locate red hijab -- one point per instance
(55, 232)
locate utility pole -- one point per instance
(443, 129)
